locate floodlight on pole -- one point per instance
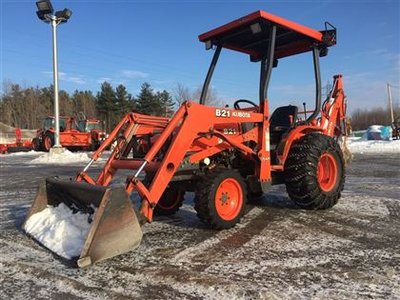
(45, 13)
(63, 15)
(44, 6)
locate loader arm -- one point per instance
(194, 119)
(194, 138)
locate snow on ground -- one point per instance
(278, 251)
(30, 153)
(66, 157)
(58, 229)
(359, 145)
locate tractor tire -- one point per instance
(315, 172)
(36, 145)
(220, 198)
(48, 141)
(170, 201)
(94, 146)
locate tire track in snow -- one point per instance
(194, 251)
(187, 283)
(208, 252)
(365, 231)
(55, 283)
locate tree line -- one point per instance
(362, 118)
(26, 107)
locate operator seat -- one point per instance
(282, 119)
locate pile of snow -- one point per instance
(362, 146)
(66, 157)
(24, 153)
(59, 229)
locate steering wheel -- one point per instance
(237, 102)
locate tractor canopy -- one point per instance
(251, 35)
(49, 123)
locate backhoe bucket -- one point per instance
(114, 227)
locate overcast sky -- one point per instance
(131, 42)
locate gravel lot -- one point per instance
(277, 252)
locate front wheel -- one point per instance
(314, 172)
(48, 141)
(36, 145)
(221, 198)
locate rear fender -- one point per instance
(286, 143)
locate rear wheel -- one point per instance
(36, 144)
(221, 198)
(48, 141)
(170, 201)
(314, 172)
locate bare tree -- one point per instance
(361, 119)
(181, 94)
(84, 102)
(212, 98)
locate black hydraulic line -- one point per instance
(267, 64)
(209, 75)
(317, 74)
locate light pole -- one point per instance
(45, 13)
(390, 103)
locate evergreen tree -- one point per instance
(123, 100)
(147, 102)
(167, 104)
(132, 104)
(106, 104)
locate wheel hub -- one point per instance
(327, 172)
(229, 199)
(224, 198)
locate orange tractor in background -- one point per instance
(74, 135)
(96, 130)
(20, 144)
(226, 156)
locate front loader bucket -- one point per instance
(114, 228)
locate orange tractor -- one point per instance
(226, 156)
(20, 144)
(95, 128)
(81, 135)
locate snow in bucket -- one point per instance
(59, 229)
